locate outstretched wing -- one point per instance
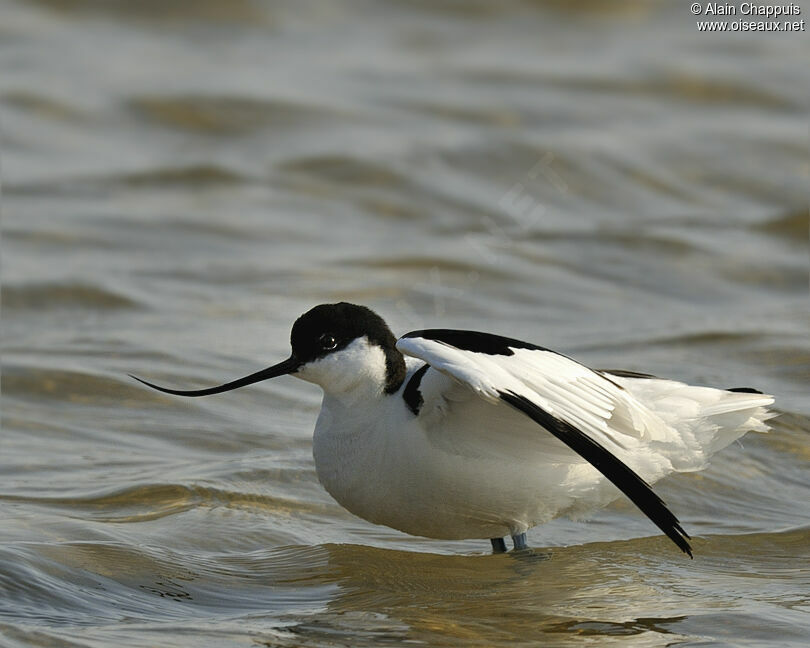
(582, 408)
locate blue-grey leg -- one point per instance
(520, 541)
(498, 545)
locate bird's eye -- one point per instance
(327, 341)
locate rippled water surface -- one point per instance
(181, 180)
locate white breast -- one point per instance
(379, 463)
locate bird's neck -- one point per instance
(395, 369)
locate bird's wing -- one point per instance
(584, 409)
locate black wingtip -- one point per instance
(625, 479)
(680, 537)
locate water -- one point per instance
(181, 180)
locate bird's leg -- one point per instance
(498, 545)
(519, 541)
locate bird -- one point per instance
(460, 434)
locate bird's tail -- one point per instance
(729, 415)
(705, 419)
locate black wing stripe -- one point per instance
(610, 466)
(475, 341)
(624, 373)
(744, 390)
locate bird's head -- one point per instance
(338, 346)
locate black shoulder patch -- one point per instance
(411, 394)
(744, 390)
(475, 341)
(609, 465)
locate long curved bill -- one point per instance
(288, 366)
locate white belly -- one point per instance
(394, 475)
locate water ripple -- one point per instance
(52, 296)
